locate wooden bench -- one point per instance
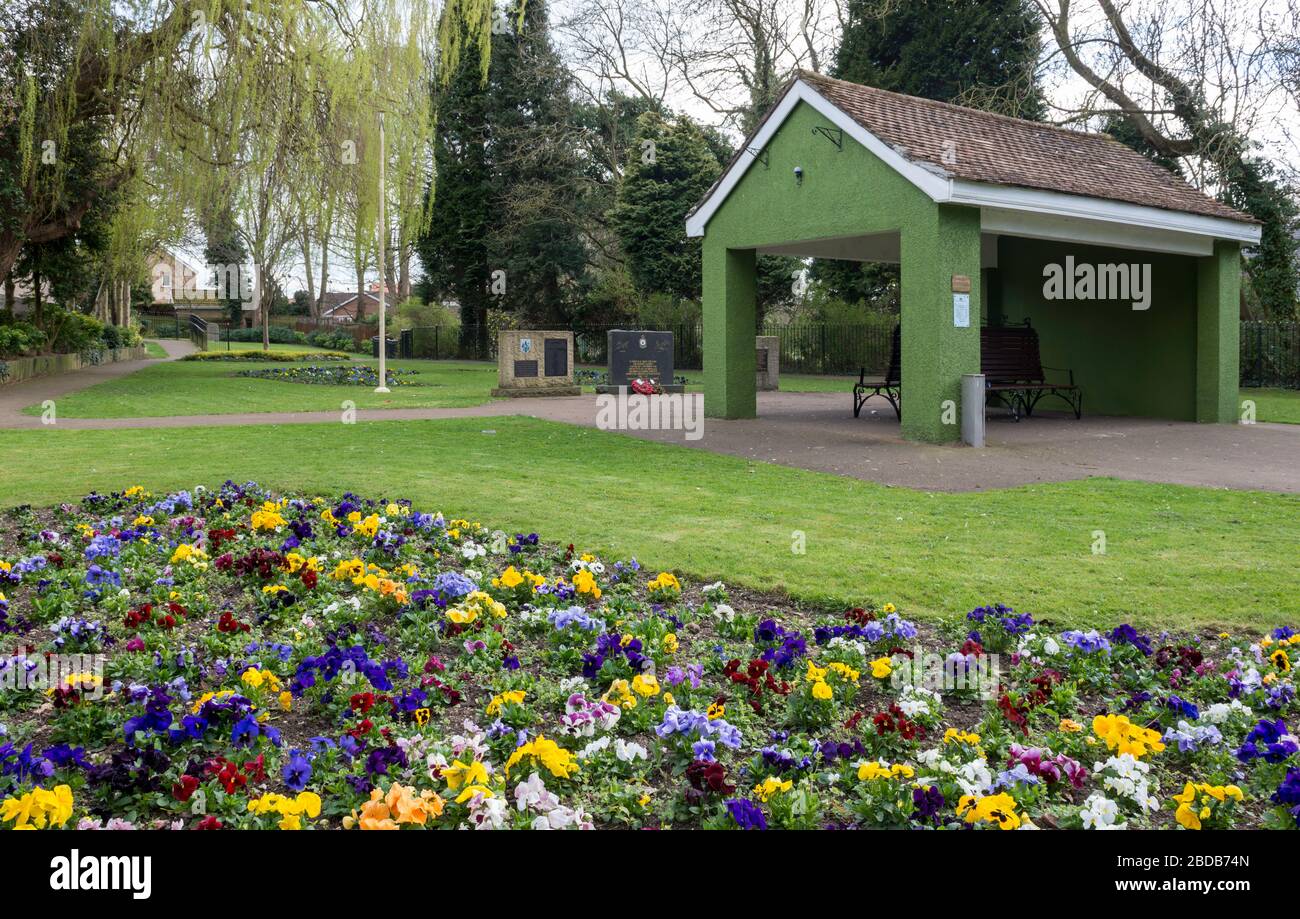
(1013, 374)
(890, 387)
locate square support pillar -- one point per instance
(730, 283)
(936, 352)
(1218, 328)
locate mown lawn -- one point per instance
(198, 388)
(1176, 556)
(790, 382)
(1278, 405)
(215, 388)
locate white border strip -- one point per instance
(1060, 204)
(943, 190)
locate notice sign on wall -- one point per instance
(961, 311)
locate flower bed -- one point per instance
(282, 357)
(237, 659)
(352, 375)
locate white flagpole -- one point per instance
(383, 254)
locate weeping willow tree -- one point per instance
(264, 109)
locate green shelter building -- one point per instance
(1130, 276)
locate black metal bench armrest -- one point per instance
(1062, 370)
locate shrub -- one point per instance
(279, 334)
(121, 336)
(69, 332)
(412, 313)
(20, 338)
(334, 340)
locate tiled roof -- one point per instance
(999, 150)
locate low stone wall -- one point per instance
(17, 369)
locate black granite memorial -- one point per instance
(640, 356)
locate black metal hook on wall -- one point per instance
(834, 135)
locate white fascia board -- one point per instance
(1027, 224)
(936, 186)
(1002, 197)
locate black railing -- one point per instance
(199, 332)
(808, 347)
(1270, 354)
(1270, 351)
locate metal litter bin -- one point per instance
(973, 395)
(374, 347)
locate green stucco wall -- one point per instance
(844, 192)
(1218, 329)
(1177, 359)
(1126, 361)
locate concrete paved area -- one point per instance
(818, 431)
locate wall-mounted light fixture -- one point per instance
(798, 175)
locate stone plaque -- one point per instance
(557, 357)
(767, 362)
(535, 363)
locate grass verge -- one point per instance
(1176, 557)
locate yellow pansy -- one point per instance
(584, 582)
(471, 773)
(38, 808)
(192, 555)
(770, 786)
(645, 684)
(620, 694)
(510, 579)
(999, 809)
(666, 582)
(879, 770)
(268, 518)
(845, 671)
(1123, 736)
(557, 760)
(513, 697)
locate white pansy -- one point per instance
(1100, 813)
